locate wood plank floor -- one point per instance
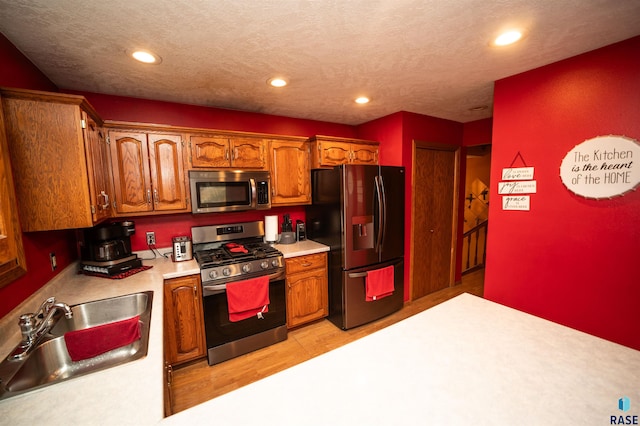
(198, 382)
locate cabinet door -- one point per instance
(98, 168)
(13, 262)
(184, 325)
(364, 154)
(307, 289)
(248, 153)
(130, 162)
(167, 172)
(333, 153)
(209, 151)
(47, 146)
(290, 173)
(307, 296)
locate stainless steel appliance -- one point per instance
(301, 234)
(106, 250)
(358, 211)
(230, 190)
(235, 252)
(182, 249)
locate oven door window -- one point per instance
(219, 330)
(223, 194)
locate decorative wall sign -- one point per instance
(602, 167)
(516, 202)
(517, 187)
(517, 173)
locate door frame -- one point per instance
(417, 144)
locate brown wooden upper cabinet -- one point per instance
(290, 172)
(60, 158)
(328, 151)
(13, 262)
(148, 172)
(220, 151)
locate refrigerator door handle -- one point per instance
(382, 211)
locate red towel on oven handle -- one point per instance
(379, 283)
(94, 341)
(248, 298)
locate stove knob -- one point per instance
(213, 274)
(246, 267)
(226, 272)
(264, 264)
(274, 262)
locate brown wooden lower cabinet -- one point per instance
(183, 321)
(307, 289)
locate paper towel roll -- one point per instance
(271, 228)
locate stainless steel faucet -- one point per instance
(32, 330)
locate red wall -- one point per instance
(571, 260)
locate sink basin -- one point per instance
(50, 362)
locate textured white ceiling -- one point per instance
(426, 56)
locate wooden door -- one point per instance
(333, 153)
(183, 320)
(130, 162)
(248, 153)
(209, 151)
(364, 154)
(167, 172)
(13, 262)
(290, 173)
(98, 167)
(435, 189)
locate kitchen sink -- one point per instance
(49, 362)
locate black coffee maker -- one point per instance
(106, 249)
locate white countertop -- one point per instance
(128, 394)
(301, 248)
(467, 361)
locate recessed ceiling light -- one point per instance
(362, 100)
(146, 56)
(508, 37)
(277, 82)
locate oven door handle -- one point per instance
(215, 287)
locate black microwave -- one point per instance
(229, 190)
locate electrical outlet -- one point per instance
(151, 238)
(52, 259)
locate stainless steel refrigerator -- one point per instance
(358, 211)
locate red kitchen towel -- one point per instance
(90, 342)
(248, 298)
(379, 283)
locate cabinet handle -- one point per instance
(148, 196)
(195, 292)
(106, 200)
(306, 264)
(169, 375)
(226, 154)
(155, 195)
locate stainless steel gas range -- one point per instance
(235, 253)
